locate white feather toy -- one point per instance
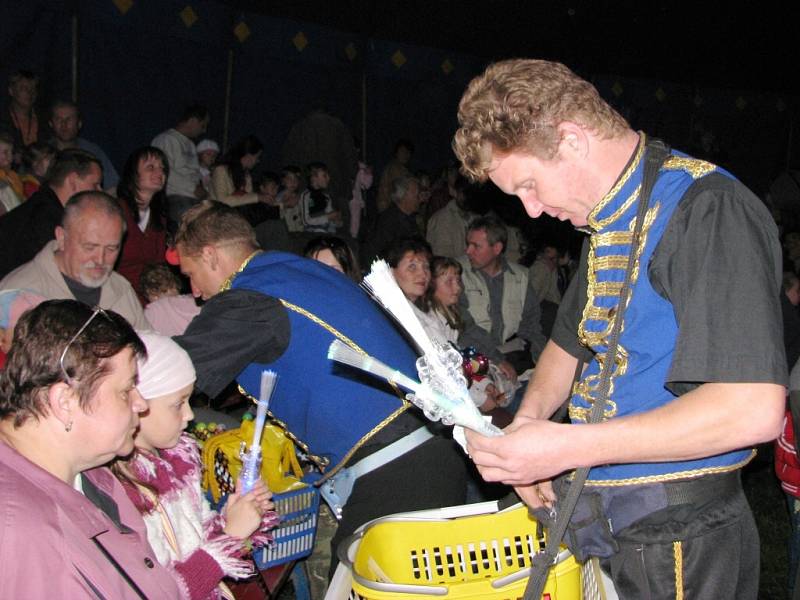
(443, 392)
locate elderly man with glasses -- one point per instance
(79, 263)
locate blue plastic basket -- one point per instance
(297, 530)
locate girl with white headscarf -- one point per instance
(162, 478)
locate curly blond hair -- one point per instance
(518, 105)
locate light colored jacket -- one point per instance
(515, 289)
(41, 275)
(447, 230)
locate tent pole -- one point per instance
(227, 117)
(364, 115)
(75, 57)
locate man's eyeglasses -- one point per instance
(97, 311)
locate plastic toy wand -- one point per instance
(251, 459)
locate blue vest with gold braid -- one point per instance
(649, 330)
(330, 409)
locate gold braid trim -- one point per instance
(592, 220)
(339, 335)
(671, 476)
(226, 285)
(677, 553)
(592, 339)
(621, 210)
(694, 166)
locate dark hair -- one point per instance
(193, 111)
(128, 186)
(40, 337)
(340, 250)
(440, 264)
(64, 104)
(71, 160)
(404, 143)
(233, 159)
(316, 166)
(34, 152)
(265, 177)
(396, 250)
(495, 229)
(293, 169)
(789, 280)
(23, 74)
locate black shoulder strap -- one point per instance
(655, 155)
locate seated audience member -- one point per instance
(184, 186)
(398, 220)
(8, 176)
(232, 179)
(289, 198)
(79, 263)
(207, 154)
(334, 252)
(68, 405)
(280, 311)
(168, 311)
(36, 160)
(143, 201)
(447, 227)
(20, 118)
(163, 480)
(500, 308)
(13, 303)
(397, 168)
(315, 202)
(26, 229)
(65, 121)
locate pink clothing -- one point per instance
(54, 540)
(171, 315)
(200, 554)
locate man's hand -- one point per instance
(537, 495)
(531, 450)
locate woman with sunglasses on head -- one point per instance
(68, 405)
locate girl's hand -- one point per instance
(243, 514)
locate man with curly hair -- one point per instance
(696, 382)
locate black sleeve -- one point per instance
(233, 329)
(570, 311)
(719, 264)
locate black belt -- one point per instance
(703, 489)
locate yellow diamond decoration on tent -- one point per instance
(241, 31)
(398, 59)
(447, 66)
(661, 95)
(188, 16)
(617, 89)
(350, 51)
(300, 41)
(741, 103)
(123, 6)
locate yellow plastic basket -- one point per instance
(435, 554)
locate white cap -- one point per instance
(207, 145)
(167, 369)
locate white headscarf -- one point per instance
(167, 369)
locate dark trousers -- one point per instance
(430, 476)
(689, 551)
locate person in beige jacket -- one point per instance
(79, 263)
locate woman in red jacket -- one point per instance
(141, 194)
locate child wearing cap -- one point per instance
(162, 478)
